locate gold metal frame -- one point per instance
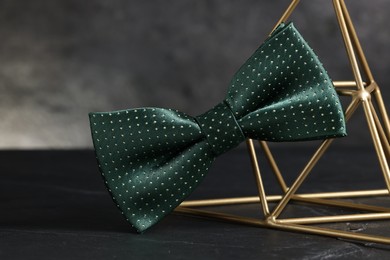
(363, 93)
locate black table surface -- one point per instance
(53, 205)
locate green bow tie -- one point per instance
(153, 158)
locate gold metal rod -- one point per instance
(223, 201)
(289, 227)
(377, 141)
(286, 13)
(370, 88)
(381, 132)
(342, 204)
(382, 110)
(337, 218)
(309, 166)
(346, 84)
(274, 166)
(259, 180)
(274, 198)
(221, 216)
(346, 194)
(343, 92)
(348, 44)
(356, 42)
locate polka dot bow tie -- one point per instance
(152, 158)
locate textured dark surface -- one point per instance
(62, 59)
(54, 205)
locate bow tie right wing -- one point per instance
(283, 93)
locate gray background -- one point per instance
(61, 59)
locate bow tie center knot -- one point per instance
(221, 128)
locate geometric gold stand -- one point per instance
(363, 93)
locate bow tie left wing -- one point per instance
(151, 159)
